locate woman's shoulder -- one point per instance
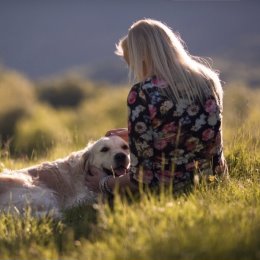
(150, 83)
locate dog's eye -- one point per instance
(104, 149)
(125, 147)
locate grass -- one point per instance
(213, 222)
(217, 221)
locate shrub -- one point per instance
(37, 134)
(241, 112)
(17, 97)
(106, 111)
(68, 92)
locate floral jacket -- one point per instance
(171, 142)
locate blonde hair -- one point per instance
(152, 48)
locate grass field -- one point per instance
(217, 221)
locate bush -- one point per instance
(241, 112)
(38, 134)
(17, 97)
(62, 93)
(106, 111)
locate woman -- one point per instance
(175, 113)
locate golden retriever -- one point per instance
(51, 187)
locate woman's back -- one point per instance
(171, 141)
(174, 128)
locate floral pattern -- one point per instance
(171, 142)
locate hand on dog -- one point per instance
(92, 179)
(121, 132)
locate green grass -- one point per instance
(215, 221)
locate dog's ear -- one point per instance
(85, 161)
(87, 157)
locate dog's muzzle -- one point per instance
(120, 165)
(120, 159)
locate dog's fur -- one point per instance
(54, 186)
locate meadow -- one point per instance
(38, 122)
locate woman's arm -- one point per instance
(122, 182)
(141, 150)
(94, 181)
(141, 141)
(121, 132)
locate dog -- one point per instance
(51, 187)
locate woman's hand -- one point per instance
(121, 132)
(93, 178)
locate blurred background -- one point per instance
(43, 38)
(61, 84)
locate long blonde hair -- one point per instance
(152, 48)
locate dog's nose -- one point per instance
(120, 157)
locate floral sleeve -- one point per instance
(140, 137)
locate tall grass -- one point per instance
(217, 221)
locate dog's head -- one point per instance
(110, 154)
